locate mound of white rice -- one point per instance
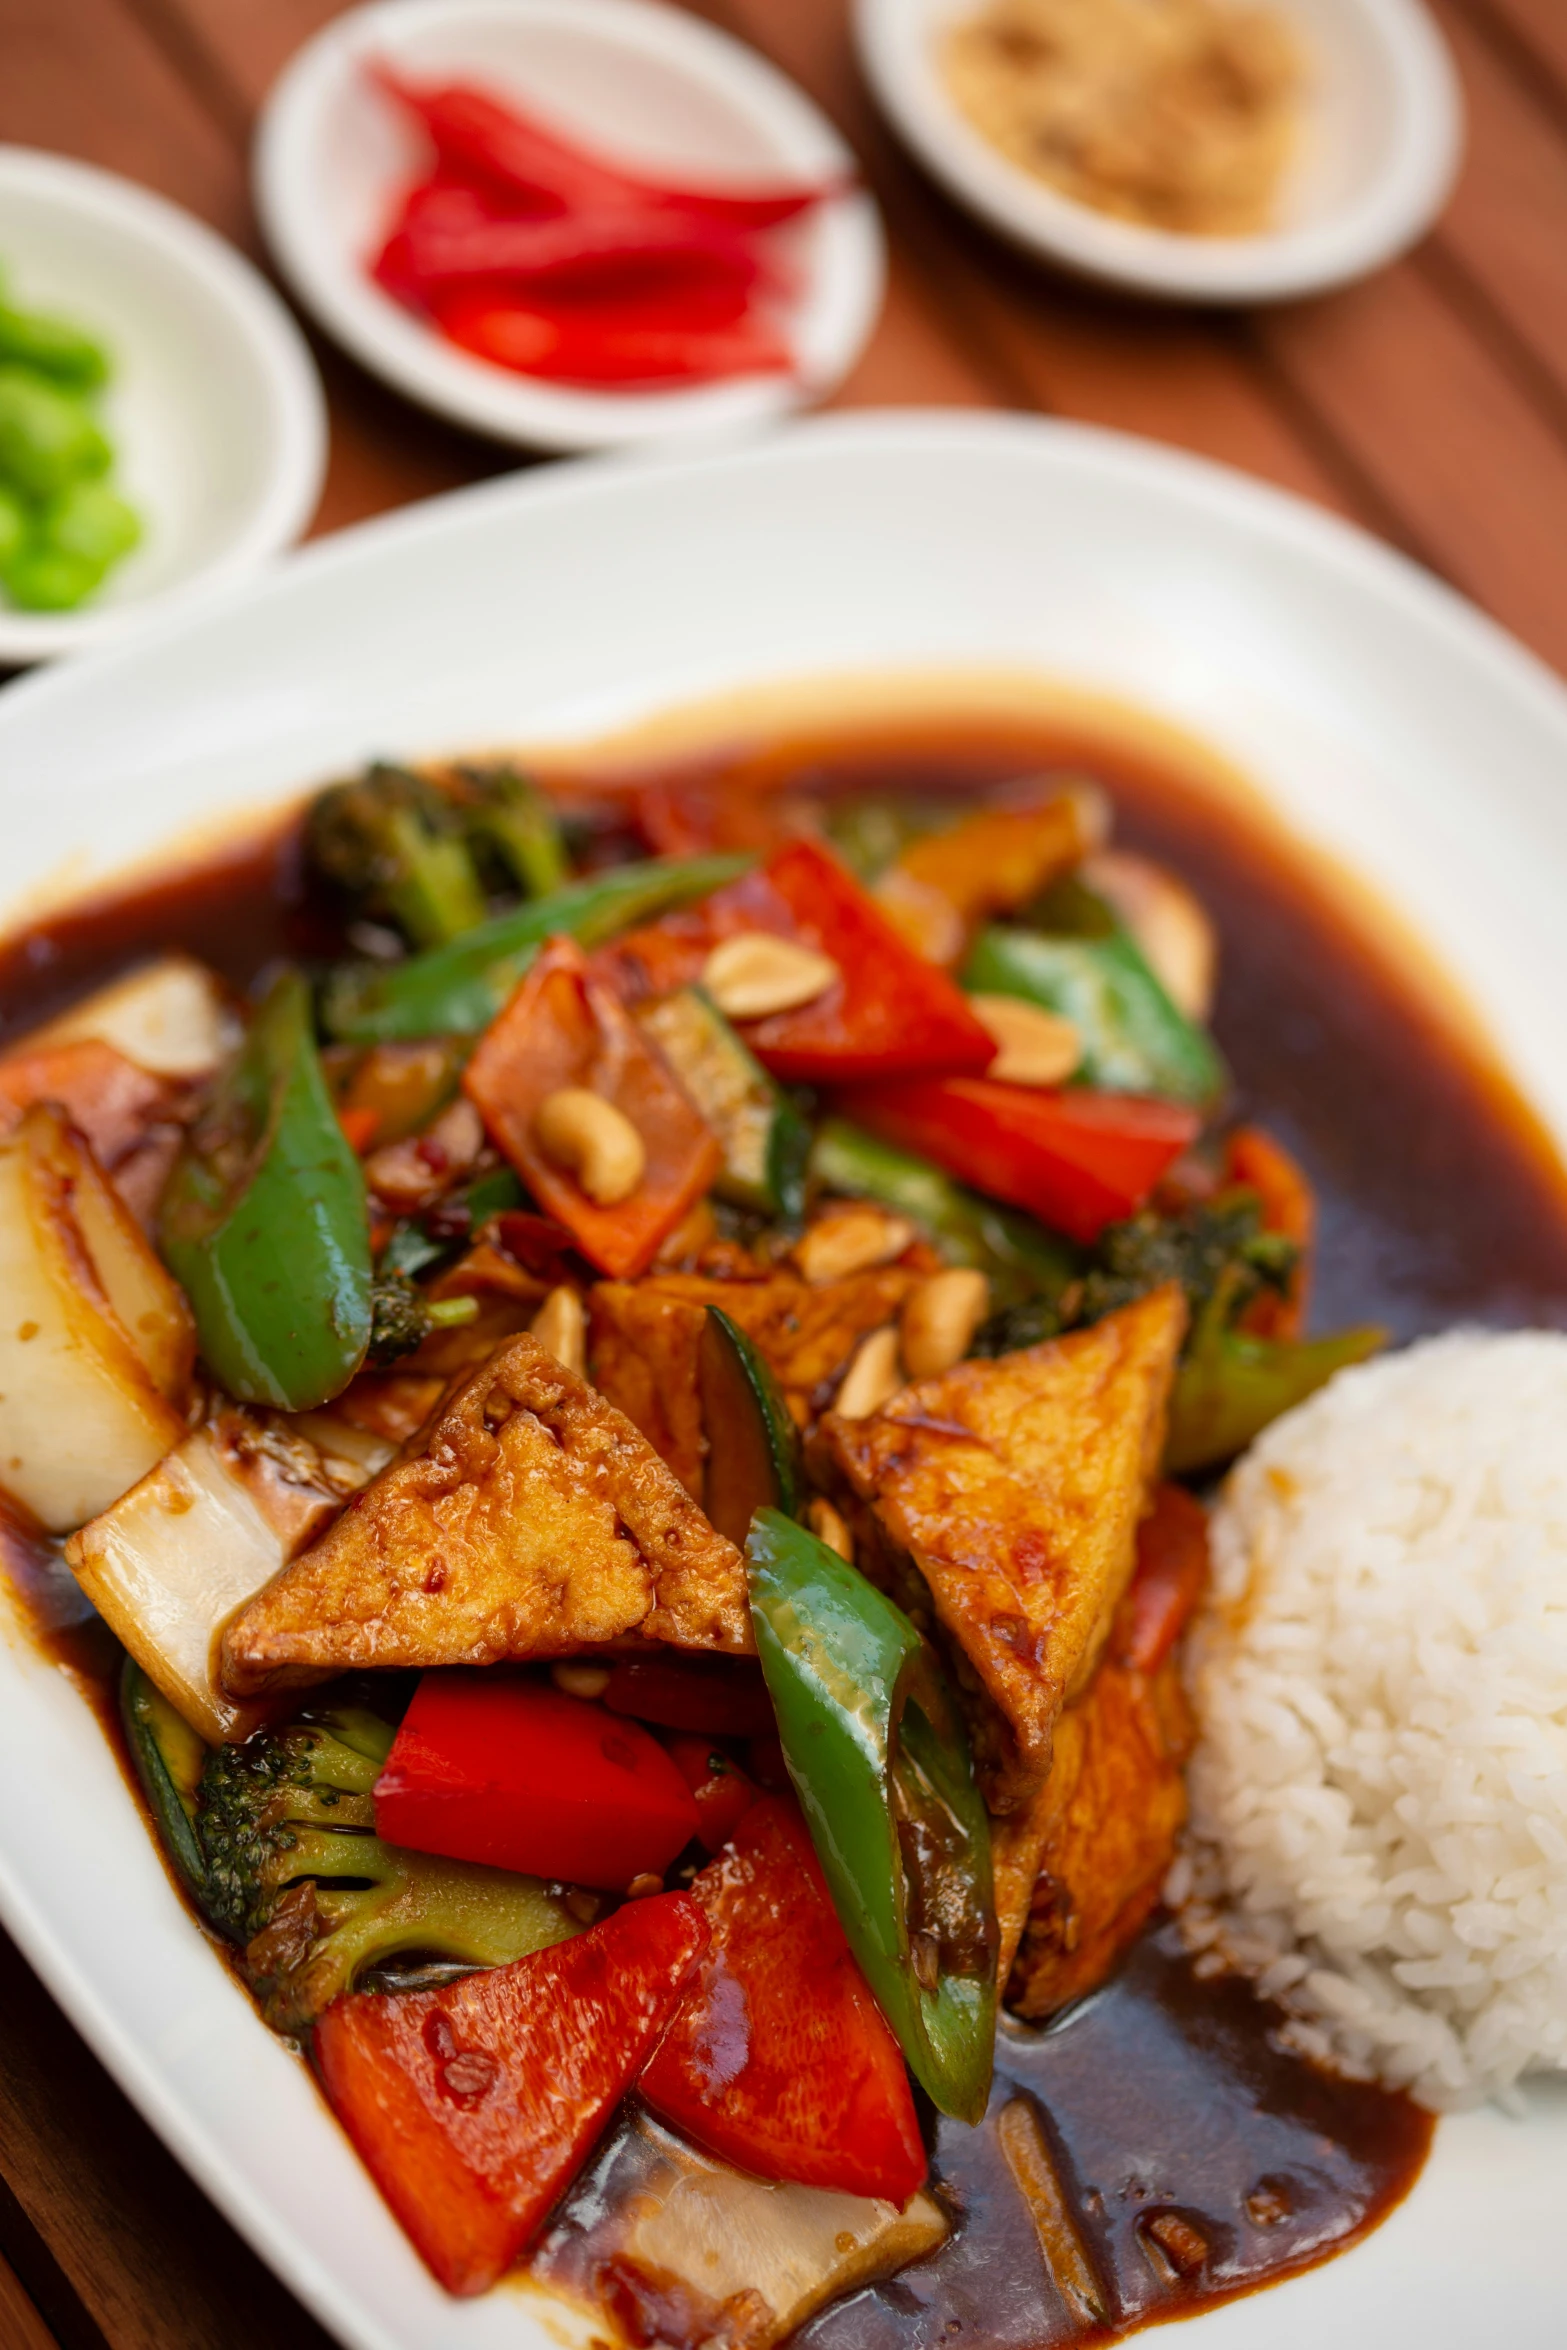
(1380, 1794)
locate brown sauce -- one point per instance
(1187, 2155)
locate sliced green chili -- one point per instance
(264, 1221)
(879, 1759)
(1134, 1038)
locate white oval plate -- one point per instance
(215, 410)
(649, 83)
(1380, 136)
(1385, 719)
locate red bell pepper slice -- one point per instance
(721, 1697)
(607, 344)
(890, 1014)
(780, 2061)
(722, 1792)
(538, 168)
(473, 2106)
(1077, 1160)
(565, 1027)
(1170, 1576)
(495, 1767)
(600, 252)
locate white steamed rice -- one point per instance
(1380, 1793)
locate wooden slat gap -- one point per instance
(1469, 297)
(1532, 66)
(197, 64)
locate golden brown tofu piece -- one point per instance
(643, 1338)
(1014, 1489)
(1096, 1842)
(534, 1521)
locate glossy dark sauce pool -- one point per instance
(1156, 2149)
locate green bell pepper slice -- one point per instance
(878, 1756)
(1135, 1040)
(1022, 1259)
(1231, 1385)
(264, 1221)
(457, 990)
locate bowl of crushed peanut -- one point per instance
(1197, 150)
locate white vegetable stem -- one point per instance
(96, 1343)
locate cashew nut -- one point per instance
(1033, 1046)
(940, 1319)
(874, 1376)
(851, 1239)
(561, 1326)
(755, 973)
(827, 1525)
(580, 1680)
(593, 1141)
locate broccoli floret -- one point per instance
(513, 828)
(1217, 1244)
(294, 1872)
(394, 846)
(1216, 1250)
(402, 1317)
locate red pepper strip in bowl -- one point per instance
(590, 253)
(595, 346)
(474, 2106)
(1172, 1569)
(890, 1014)
(494, 1767)
(1077, 1160)
(722, 1792)
(1289, 1206)
(565, 1027)
(474, 133)
(780, 2061)
(721, 1697)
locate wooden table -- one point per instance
(1429, 404)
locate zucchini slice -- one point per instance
(764, 1139)
(752, 1448)
(169, 1759)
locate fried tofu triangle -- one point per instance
(535, 1521)
(1012, 1489)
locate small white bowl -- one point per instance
(1378, 150)
(647, 83)
(215, 410)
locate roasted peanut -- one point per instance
(940, 1319)
(827, 1525)
(1033, 1046)
(851, 1239)
(930, 923)
(1167, 922)
(755, 973)
(579, 1680)
(593, 1141)
(561, 1326)
(874, 1375)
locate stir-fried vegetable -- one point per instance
(95, 1339)
(264, 1221)
(1230, 1385)
(1132, 1037)
(392, 844)
(877, 1753)
(493, 1767)
(1077, 1160)
(764, 1139)
(458, 989)
(292, 1871)
(753, 1447)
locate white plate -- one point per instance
(1381, 135)
(215, 410)
(650, 84)
(1385, 719)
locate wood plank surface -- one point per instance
(1429, 403)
